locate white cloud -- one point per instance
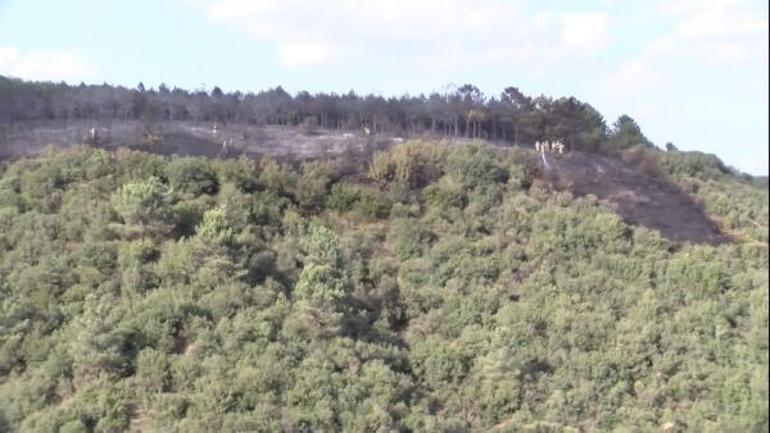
(636, 74)
(436, 32)
(722, 52)
(719, 31)
(719, 21)
(69, 66)
(229, 9)
(508, 54)
(304, 54)
(706, 33)
(660, 46)
(584, 32)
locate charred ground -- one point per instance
(638, 196)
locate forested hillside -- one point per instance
(438, 289)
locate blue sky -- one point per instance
(694, 72)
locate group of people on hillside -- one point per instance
(550, 146)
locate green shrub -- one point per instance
(381, 169)
(312, 186)
(409, 238)
(143, 203)
(342, 197)
(698, 165)
(276, 177)
(152, 370)
(475, 165)
(136, 265)
(215, 227)
(522, 168)
(371, 204)
(445, 194)
(74, 426)
(192, 176)
(415, 163)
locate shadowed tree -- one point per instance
(472, 99)
(626, 133)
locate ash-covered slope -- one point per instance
(638, 197)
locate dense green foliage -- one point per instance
(454, 292)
